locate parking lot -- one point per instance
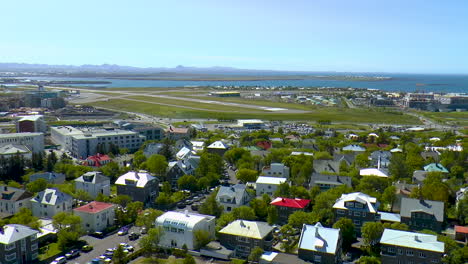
(100, 245)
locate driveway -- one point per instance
(100, 245)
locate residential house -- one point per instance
(409, 247)
(461, 233)
(94, 183)
(380, 158)
(377, 172)
(328, 166)
(242, 236)
(140, 186)
(50, 177)
(218, 147)
(152, 149)
(359, 207)
(50, 202)
(320, 244)
(431, 155)
(276, 170)
(97, 160)
(176, 133)
(354, 148)
(419, 176)
(179, 228)
(198, 146)
(179, 168)
(231, 197)
(403, 189)
(435, 167)
(96, 216)
(12, 200)
(268, 185)
(287, 206)
(18, 244)
(326, 182)
(422, 214)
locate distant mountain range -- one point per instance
(118, 69)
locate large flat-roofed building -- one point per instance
(180, 227)
(34, 141)
(251, 123)
(18, 244)
(85, 142)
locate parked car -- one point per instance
(181, 205)
(87, 248)
(194, 207)
(143, 230)
(72, 254)
(98, 234)
(122, 232)
(59, 260)
(133, 236)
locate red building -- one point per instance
(287, 206)
(97, 160)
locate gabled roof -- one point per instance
(326, 166)
(367, 200)
(244, 228)
(435, 167)
(289, 202)
(8, 193)
(152, 148)
(51, 197)
(94, 177)
(461, 229)
(330, 179)
(435, 208)
(319, 238)
(183, 152)
(94, 207)
(236, 193)
(139, 179)
(12, 233)
(218, 145)
(412, 240)
(354, 148)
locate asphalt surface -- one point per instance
(100, 245)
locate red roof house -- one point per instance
(461, 233)
(264, 144)
(287, 206)
(97, 160)
(96, 216)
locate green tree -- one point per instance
(389, 196)
(150, 243)
(372, 232)
(210, 206)
(148, 217)
(247, 175)
(24, 217)
(298, 218)
(368, 260)
(156, 164)
(346, 226)
(396, 226)
(255, 254)
(224, 220)
(272, 217)
(122, 200)
(202, 238)
(138, 159)
(462, 210)
(244, 212)
(119, 256)
(37, 186)
(112, 170)
(189, 259)
(188, 182)
(51, 160)
(260, 208)
(69, 229)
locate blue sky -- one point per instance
(417, 36)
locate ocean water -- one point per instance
(399, 82)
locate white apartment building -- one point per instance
(33, 141)
(83, 143)
(96, 216)
(268, 185)
(93, 183)
(179, 228)
(276, 170)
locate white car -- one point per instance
(59, 260)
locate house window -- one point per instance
(364, 214)
(34, 255)
(10, 246)
(350, 204)
(422, 254)
(34, 246)
(359, 205)
(317, 259)
(357, 222)
(341, 212)
(409, 252)
(400, 251)
(10, 257)
(391, 249)
(357, 213)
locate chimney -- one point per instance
(378, 163)
(136, 175)
(416, 238)
(5, 188)
(2, 230)
(186, 213)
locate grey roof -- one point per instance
(319, 238)
(51, 196)
(419, 175)
(435, 208)
(236, 193)
(354, 148)
(11, 149)
(48, 176)
(348, 157)
(412, 240)
(13, 194)
(382, 154)
(93, 177)
(327, 166)
(330, 179)
(152, 148)
(12, 233)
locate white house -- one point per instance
(13, 199)
(50, 202)
(96, 216)
(231, 197)
(93, 183)
(276, 170)
(320, 244)
(268, 185)
(179, 228)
